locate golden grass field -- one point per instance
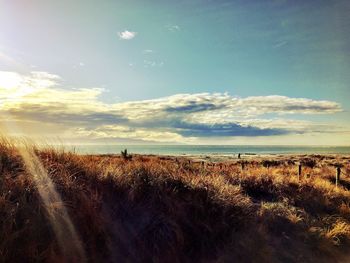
(167, 209)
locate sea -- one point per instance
(207, 149)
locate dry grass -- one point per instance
(156, 209)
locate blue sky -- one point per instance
(149, 50)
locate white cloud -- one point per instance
(152, 63)
(213, 107)
(173, 28)
(125, 132)
(127, 35)
(79, 65)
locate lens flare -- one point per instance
(66, 235)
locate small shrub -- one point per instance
(308, 162)
(125, 155)
(270, 163)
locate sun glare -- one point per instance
(9, 80)
(14, 86)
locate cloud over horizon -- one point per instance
(38, 98)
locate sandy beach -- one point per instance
(320, 159)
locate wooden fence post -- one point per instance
(299, 172)
(337, 177)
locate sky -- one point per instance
(179, 72)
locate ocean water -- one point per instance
(207, 149)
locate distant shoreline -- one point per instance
(208, 150)
(234, 157)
